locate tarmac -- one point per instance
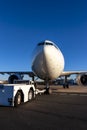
(64, 109)
(72, 89)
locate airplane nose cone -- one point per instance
(54, 61)
(48, 61)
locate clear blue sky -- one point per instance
(24, 23)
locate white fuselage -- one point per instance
(48, 61)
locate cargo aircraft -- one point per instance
(48, 64)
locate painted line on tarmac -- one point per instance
(63, 94)
(85, 95)
(71, 94)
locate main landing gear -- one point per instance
(66, 85)
(48, 89)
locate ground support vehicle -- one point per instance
(15, 94)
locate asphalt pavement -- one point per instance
(47, 112)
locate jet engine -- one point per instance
(82, 79)
(14, 77)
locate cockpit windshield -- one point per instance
(42, 43)
(45, 43)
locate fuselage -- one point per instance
(48, 61)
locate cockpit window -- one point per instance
(45, 43)
(42, 43)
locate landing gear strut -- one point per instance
(66, 85)
(48, 89)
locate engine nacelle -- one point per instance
(14, 77)
(82, 79)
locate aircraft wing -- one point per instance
(68, 73)
(30, 73)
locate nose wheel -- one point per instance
(48, 89)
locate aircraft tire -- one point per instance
(48, 91)
(67, 86)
